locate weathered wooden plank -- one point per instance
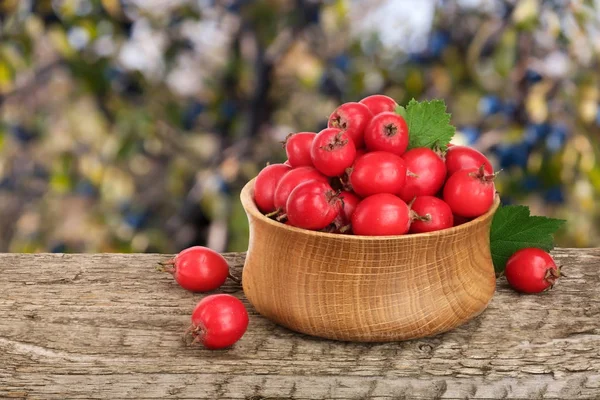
(109, 326)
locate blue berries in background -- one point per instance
(535, 133)
(86, 189)
(328, 85)
(470, 133)
(40, 172)
(532, 76)
(513, 155)
(191, 112)
(554, 195)
(438, 42)
(136, 219)
(510, 109)
(59, 247)
(557, 138)
(234, 6)
(507, 200)
(342, 62)
(22, 134)
(228, 109)
(530, 183)
(489, 105)
(7, 183)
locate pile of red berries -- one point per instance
(358, 176)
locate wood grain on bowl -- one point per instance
(370, 289)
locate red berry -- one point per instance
(265, 185)
(379, 103)
(463, 157)
(469, 192)
(198, 269)
(531, 270)
(430, 214)
(332, 152)
(381, 215)
(426, 173)
(297, 148)
(378, 172)
(344, 217)
(290, 181)
(360, 152)
(218, 321)
(387, 132)
(352, 118)
(287, 162)
(312, 205)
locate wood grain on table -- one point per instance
(110, 325)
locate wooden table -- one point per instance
(109, 326)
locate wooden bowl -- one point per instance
(367, 288)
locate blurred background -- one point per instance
(131, 126)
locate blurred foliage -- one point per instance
(132, 125)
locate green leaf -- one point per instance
(428, 124)
(514, 229)
(400, 110)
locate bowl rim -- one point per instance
(250, 207)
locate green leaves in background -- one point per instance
(513, 228)
(428, 123)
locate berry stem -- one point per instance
(196, 332)
(416, 217)
(552, 276)
(411, 202)
(272, 214)
(284, 142)
(165, 268)
(281, 217)
(481, 175)
(345, 228)
(333, 196)
(440, 150)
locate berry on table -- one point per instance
(198, 269)
(218, 321)
(531, 270)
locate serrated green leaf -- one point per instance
(428, 124)
(400, 110)
(514, 229)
